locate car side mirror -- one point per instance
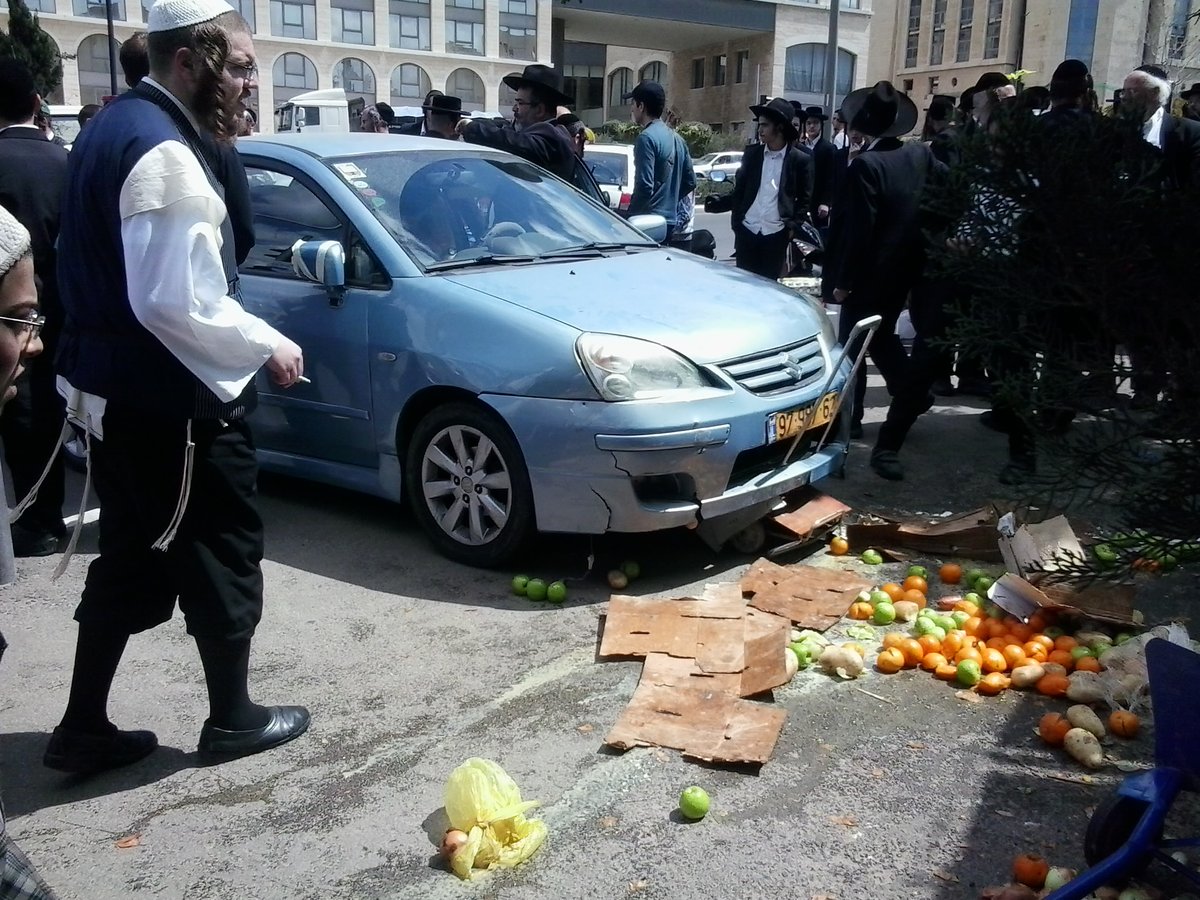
(607, 198)
(654, 227)
(717, 176)
(323, 263)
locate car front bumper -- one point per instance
(596, 467)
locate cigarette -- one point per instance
(303, 380)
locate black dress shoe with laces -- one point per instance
(85, 752)
(886, 464)
(284, 724)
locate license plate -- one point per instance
(785, 425)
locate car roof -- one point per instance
(329, 143)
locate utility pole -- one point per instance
(831, 59)
(112, 50)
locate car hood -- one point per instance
(708, 311)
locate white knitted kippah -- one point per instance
(167, 15)
(14, 241)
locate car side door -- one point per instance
(328, 418)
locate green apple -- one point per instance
(694, 803)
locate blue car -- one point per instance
(511, 357)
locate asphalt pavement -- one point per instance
(889, 787)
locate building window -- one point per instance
(965, 17)
(468, 87)
(1177, 34)
(464, 27)
(408, 25)
(937, 44)
(94, 9)
(620, 82)
(805, 69)
(356, 78)
(991, 37)
(353, 21)
(584, 83)
(655, 71)
(409, 82)
(914, 34)
(95, 78)
(742, 66)
(934, 84)
(518, 29)
(292, 74)
(697, 73)
(907, 85)
(720, 67)
(294, 19)
(46, 6)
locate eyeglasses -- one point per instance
(522, 103)
(29, 327)
(246, 73)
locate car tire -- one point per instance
(486, 522)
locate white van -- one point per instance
(324, 110)
(612, 166)
(65, 122)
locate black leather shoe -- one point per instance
(82, 752)
(285, 723)
(856, 431)
(28, 543)
(886, 464)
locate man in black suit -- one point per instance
(771, 193)
(33, 173)
(1191, 99)
(880, 252)
(822, 151)
(421, 126)
(1146, 92)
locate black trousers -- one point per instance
(31, 425)
(929, 305)
(886, 351)
(213, 567)
(762, 254)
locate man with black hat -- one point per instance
(662, 165)
(821, 149)
(992, 89)
(1072, 96)
(535, 137)
(442, 115)
(880, 253)
(1191, 99)
(421, 126)
(771, 194)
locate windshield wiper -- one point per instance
(597, 248)
(490, 259)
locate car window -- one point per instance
(443, 206)
(287, 210)
(605, 174)
(617, 165)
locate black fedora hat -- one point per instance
(880, 111)
(780, 112)
(1191, 92)
(544, 79)
(814, 112)
(445, 105)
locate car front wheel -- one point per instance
(469, 488)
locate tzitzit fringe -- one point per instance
(185, 492)
(20, 508)
(83, 502)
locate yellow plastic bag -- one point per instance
(483, 801)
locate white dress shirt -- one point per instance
(1152, 130)
(171, 236)
(763, 215)
(840, 140)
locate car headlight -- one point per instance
(625, 368)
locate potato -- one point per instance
(906, 610)
(1053, 668)
(1084, 748)
(1084, 717)
(1085, 687)
(1027, 676)
(841, 661)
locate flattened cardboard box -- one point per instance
(817, 511)
(1032, 553)
(971, 535)
(809, 596)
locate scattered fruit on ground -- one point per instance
(861, 610)
(1124, 724)
(929, 643)
(885, 614)
(974, 575)
(839, 546)
(535, 589)
(916, 583)
(893, 590)
(556, 592)
(631, 569)
(1053, 728)
(984, 584)
(617, 580)
(968, 672)
(1030, 870)
(906, 610)
(694, 803)
(519, 584)
(946, 672)
(931, 662)
(881, 596)
(915, 597)
(872, 557)
(913, 652)
(992, 684)
(950, 573)
(993, 661)
(919, 571)
(1088, 664)
(890, 660)
(1053, 684)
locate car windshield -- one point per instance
(66, 127)
(451, 207)
(614, 166)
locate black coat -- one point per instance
(823, 154)
(795, 193)
(232, 175)
(1181, 152)
(543, 143)
(880, 236)
(33, 176)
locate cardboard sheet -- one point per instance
(970, 535)
(810, 597)
(817, 511)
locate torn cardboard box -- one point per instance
(809, 596)
(816, 512)
(1033, 554)
(970, 535)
